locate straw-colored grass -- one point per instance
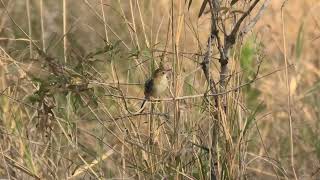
(70, 113)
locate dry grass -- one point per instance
(72, 116)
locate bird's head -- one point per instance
(160, 72)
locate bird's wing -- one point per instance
(148, 88)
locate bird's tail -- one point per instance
(141, 107)
(144, 101)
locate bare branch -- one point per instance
(231, 38)
(253, 22)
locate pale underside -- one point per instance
(160, 85)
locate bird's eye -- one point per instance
(163, 72)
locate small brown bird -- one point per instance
(157, 84)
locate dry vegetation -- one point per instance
(71, 80)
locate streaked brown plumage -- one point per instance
(157, 84)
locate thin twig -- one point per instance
(142, 114)
(199, 95)
(253, 22)
(288, 91)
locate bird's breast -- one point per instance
(160, 85)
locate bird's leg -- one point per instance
(154, 100)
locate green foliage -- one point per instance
(28, 158)
(252, 97)
(252, 117)
(247, 58)
(145, 55)
(225, 174)
(248, 66)
(202, 166)
(71, 82)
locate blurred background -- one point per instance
(72, 72)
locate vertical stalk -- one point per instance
(64, 4)
(143, 25)
(42, 27)
(134, 25)
(174, 72)
(29, 27)
(104, 21)
(288, 91)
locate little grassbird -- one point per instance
(156, 84)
